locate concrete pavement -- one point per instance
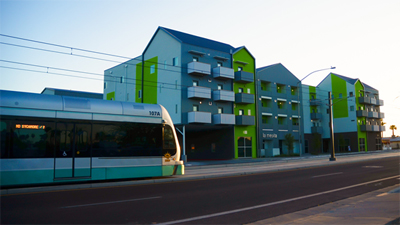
(376, 207)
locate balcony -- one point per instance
(244, 77)
(316, 130)
(382, 128)
(316, 116)
(224, 96)
(199, 92)
(380, 102)
(364, 100)
(243, 120)
(373, 114)
(362, 113)
(224, 119)
(223, 73)
(199, 117)
(381, 115)
(198, 69)
(371, 128)
(315, 102)
(244, 98)
(373, 101)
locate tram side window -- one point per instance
(127, 139)
(32, 140)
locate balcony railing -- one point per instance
(364, 100)
(223, 95)
(199, 117)
(316, 116)
(243, 120)
(380, 102)
(199, 92)
(362, 113)
(315, 102)
(244, 98)
(224, 119)
(382, 128)
(244, 77)
(199, 69)
(373, 114)
(316, 130)
(381, 115)
(370, 128)
(223, 73)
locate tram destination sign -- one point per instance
(26, 126)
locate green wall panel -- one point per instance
(361, 134)
(340, 106)
(244, 56)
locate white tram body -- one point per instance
(48, 139)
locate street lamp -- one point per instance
(298, 98)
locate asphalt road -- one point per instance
(230, 200)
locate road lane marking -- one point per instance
(330, 174)
(103, 203)
(272, 203)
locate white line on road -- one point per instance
(272, 203)
(103, 203)
(330, 174)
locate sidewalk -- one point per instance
(376, 207)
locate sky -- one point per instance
(359, 37)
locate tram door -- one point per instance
(73, 153)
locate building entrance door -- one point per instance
(244, 147)
(73, 153)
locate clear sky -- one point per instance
(359, 37)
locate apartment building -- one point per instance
(356, 116)
(279, 109)
(207, 87)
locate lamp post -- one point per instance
(298, 98)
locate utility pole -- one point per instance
(332, 158)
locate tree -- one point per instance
(289, 140)
(393, 127)
(316, 144)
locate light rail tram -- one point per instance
(48, 139)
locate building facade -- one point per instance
(206, 86)
(356, 116)
(279, 109)
(229, 109)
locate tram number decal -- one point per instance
(154, 113)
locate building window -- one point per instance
(152, 69)
(249, 112)
(240, 90)
(362, 144)
(351, 94)
(340, 95)
(241, 112)
(195, 83)
(265, 86)
(352, 108)
(266, 119)
(105, 85)
(378, 144)
(195, 108)
(122, 80)
(220, 87)
(282, 120)
(240, 68)
(165, 64)
(140, 94)
(220, 110)
(175, 61)
(219, 64)
(195, 59)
